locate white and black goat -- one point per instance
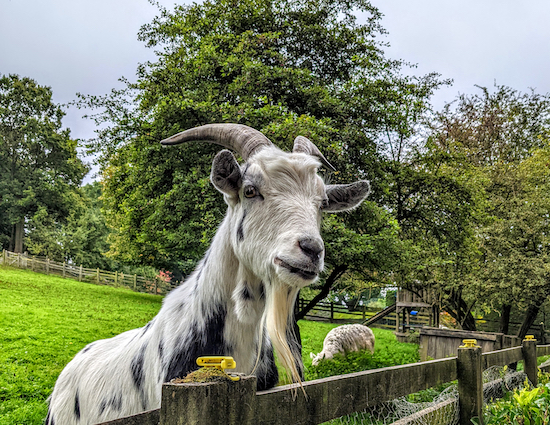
(267, 248)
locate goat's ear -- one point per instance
(311, 355)
(343, 197)
(226, 174)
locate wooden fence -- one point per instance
(152, 285)
(237, 403)
(339, 313)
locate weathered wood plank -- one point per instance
(501, 357)
(455, 333)
(543, 350)
(337, 396)
(151, 417)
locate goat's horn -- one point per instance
(240, 138)
(303, 144)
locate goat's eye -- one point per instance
(250, 192)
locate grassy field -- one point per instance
(45, 321)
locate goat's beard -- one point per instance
(279, 314)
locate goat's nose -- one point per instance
(312, 248)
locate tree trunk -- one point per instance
(334, 276)
(505, 319)
(459, 310)
(18, 239)
(529, 319)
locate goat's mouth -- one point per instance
(303, 273)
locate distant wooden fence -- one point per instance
(152, 285)
(238, 403)
(339, 313)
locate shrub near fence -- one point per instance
(151, 285)
(232, 403)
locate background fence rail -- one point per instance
(151, 285)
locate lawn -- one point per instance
(46, 320)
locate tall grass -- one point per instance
(46, 320)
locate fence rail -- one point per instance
(151, 285)
(238, 403)
(339, 313)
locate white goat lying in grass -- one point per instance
(345, 339)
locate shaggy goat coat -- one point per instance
(345, 339)
(238, 302)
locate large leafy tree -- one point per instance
(285, 67)
(499, 134)
(39, 167)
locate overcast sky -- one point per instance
(86, 46)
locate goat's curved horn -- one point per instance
(303, 144)
(240, 138)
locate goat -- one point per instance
(238, 301)
(345, 339)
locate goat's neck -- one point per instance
(221, 282)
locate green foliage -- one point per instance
(528, 406)
(80, 239)
(44, 322)
(284, 67)
(387, 352)
(39, 167)
(470, 203)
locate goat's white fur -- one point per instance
(345, 339)
(243, 283)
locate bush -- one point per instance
(528, 406)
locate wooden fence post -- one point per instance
(47, 266)
(116, 278)
(97, 278)
(470, 382)
(4, 257)
(135, 282)
(80, 274)
(212, 403)
(63, 268)
(331, 312)
(156, 281)
(529, 351)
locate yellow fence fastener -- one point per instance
(219, 362)
(529, 338)
(469, 343)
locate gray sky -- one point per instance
(86, 46)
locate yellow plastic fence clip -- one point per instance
(529, 338)
(469, 343)
(219, 362)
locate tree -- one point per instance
(80, 239)
(435, 198)
(285, 67)
(39, 167)
(499, 134)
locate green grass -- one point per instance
(46, 320)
